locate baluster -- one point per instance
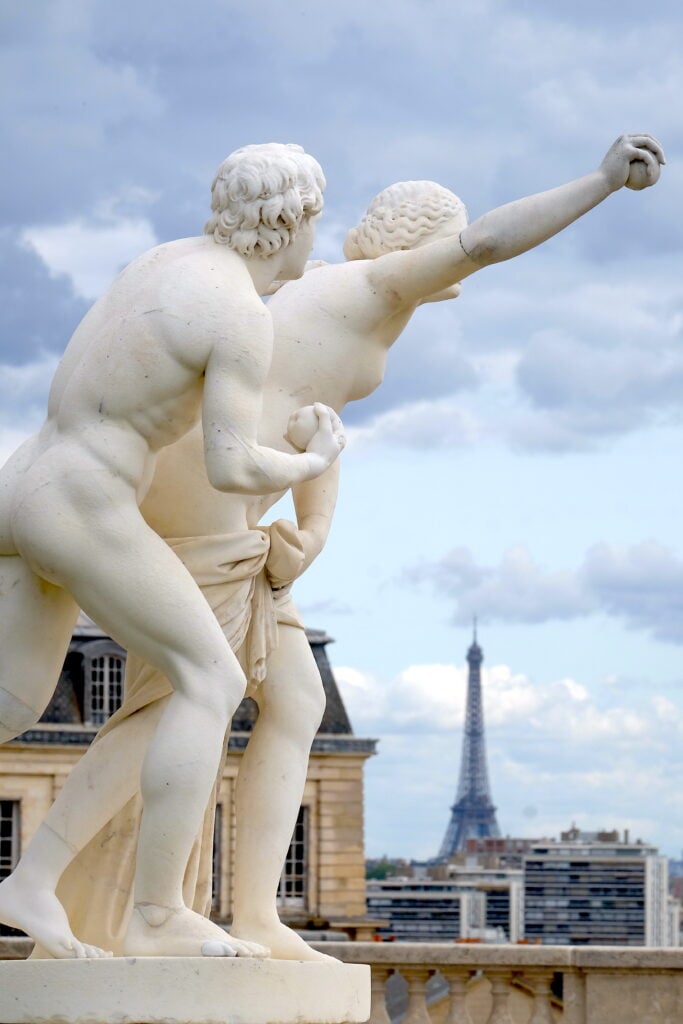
(378, 1003)
(416, 978)
(500, 996)
(540, 983)
(457, 986)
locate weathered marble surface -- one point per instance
(182, 990)
(333, 331)
(180, 337)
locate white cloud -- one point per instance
(436, 424)
(23, 400)
(589, 356)
(419, 697)
(9, 442)
(641, 584)
(550, 359)
(516, 590)
(25, 388)
(328, 606)
(595, 389)
(557, 752)
(329, 239)
(90, 253)
(432, 698)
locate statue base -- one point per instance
(183, 990)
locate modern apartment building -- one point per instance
(592, 889)
(420, 910)
(473, 904)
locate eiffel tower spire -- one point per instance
(473, 814)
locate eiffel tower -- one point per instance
(473, 814)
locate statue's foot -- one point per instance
(39, 913)
(284, 944)
(177, 931)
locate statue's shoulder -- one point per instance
(202, 273)
(324, 285)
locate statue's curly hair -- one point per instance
(260, 196)
(402, 216)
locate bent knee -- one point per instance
(311, 703)
(298, 704)
(219, 691)
(15, 716)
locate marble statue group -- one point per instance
(183, 408)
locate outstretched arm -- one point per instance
(512, 229)
(519, 226)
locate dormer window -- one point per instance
(104, 667)
(106, 687)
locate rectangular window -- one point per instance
(292, 890)
(10, 843)
(106, 687)
(9, 836)
(217, 863)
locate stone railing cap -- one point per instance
(443, 954)
(446, 954)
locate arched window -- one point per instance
(104, 667)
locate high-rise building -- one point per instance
(586, 890)
(473, 815)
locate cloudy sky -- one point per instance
(521, 460)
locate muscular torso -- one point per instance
(332, 334)
(131, 379)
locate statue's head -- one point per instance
(261, 195)
(404, 216)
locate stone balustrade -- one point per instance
(484, 984)
(512, 984)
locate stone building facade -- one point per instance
(323, 884)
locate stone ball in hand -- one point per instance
(641, 175)
(302, 427)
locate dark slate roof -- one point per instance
(66, 704)
(335, 720)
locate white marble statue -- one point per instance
(181, 337)
(333, 330)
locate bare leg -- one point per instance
(178, 773)
(133, 585)
(26, 902)
(36, 623)
(268, 793)
(36, 620)
(102, 782)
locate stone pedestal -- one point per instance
(183, 990)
